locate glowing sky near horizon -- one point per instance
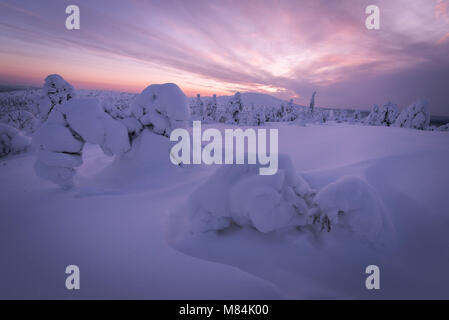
(285, 48)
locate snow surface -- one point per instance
(127, 224)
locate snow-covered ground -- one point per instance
(126, 225)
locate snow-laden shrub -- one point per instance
(162, 108)
(383, 116)
(12, 141)
(290, 112)
(56, 91)
(352, 203)
(318, 116)
(256, 116)
(234, 109)
(341, 116)
(21, 120)
(61, 138)
(356, 116)
(238, 194)
(415, 116)
(444, 127)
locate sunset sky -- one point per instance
(285, 48)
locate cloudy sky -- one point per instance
(285, 48)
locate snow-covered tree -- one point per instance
(312, 102)
(290, 114)
(270, 114)
(56, 91)
(257, 116)
(280, 113)
(415, 116)
(318, 116)
(234, 109)
(210, 113)
(356, 116)
(161, 108)
(383, 116)
(198, 108)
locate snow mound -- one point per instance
(383, 116)
(444, 127)
(162, 107)
(12, 141)
(416, 116)
(238, 194)
(353, 203)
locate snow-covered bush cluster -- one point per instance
(383, 116)
(69, 126)
(22, 120)
(17, 109)
(161, 108)
(235, 111)
(12, 141)
(117, 104)
(415, 116)
(72, 122)
(238, 195)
